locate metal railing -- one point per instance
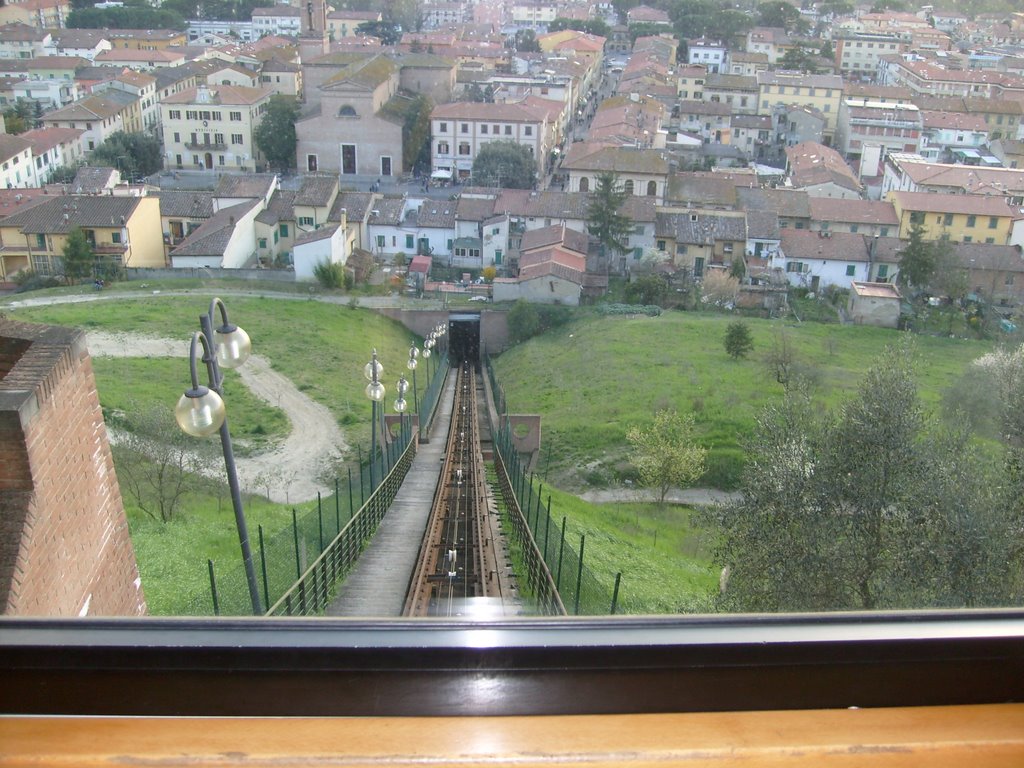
(577, 589)
(315, 588)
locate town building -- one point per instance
(959, 218)
(213, 128)
(891, 126)
(820, 92)
(123, 231)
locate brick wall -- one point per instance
(65, 547)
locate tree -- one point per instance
(666, 454)
(799, 59)
(738, 341)
(525, 41)
(156, 462)
(78, 258)
(388, 32)
(777, 13)
(917, 260)
(275, 135)
(19, 117)
(505, 164)
(133, 154)
(647, 289)
(874, 507)
(604, 218)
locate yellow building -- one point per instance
(822, 92)
(123, 231)
(958, 218)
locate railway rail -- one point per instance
(459, 567)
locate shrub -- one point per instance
(27, 280)
(330, 274)
(738, 341)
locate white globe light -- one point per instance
(375, 391)
(368, 370)
(232, 346)
(400, 405)
(200, 412)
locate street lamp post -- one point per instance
(400, 404)
(373, 371)
(201, 412)
(411, 365)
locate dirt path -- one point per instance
(288, 474)
(696, 497)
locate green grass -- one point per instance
(134, 384)
(665, 567)
(322, 348)
(593, 378)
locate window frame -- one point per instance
(395, 667)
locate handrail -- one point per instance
(314, 589)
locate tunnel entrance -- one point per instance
(464, 338)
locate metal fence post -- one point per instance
(263, 566)
(351, 505)
(337, 506)
(561, 551)
(320, 520)
(213, 589)
(295, 533)
(615, 592)
(579, 576)
(547, 530)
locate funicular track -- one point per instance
(458, 560)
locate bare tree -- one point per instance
(156, 463)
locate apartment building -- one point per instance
(959, 218)
(821, 92)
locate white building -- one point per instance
(16, 168)
(322, 246)
(460, 129)
(279, 20)
(708, 53)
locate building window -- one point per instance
(652, 188)
(443, 128)
(442, 147)
(463, 148)
(177, 137)
(883, 271)
(508, 130)
(483, 128)
(917, 217)
(409, 241)
(284, 230)
(972, 220)
(236, 138)
(262, 242)
(218, 138)
(465, 128)
(883, 232)
(968, 239)
(661, 245)
(851, 270)
(854, 228)
(528, 130)
(311, 163)
(174, 114)
(41, 241)
(584, 184)
(993, 222)
(235, 116)
(628, 187)
(305, 221)
(380, 241)
(947, 220)
(990, 240)
(115, 238)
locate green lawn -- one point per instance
(593, 378)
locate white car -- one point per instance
(478, 298)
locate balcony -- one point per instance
(203, 147)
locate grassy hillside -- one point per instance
(593, 378)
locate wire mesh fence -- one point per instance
(581, 591)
